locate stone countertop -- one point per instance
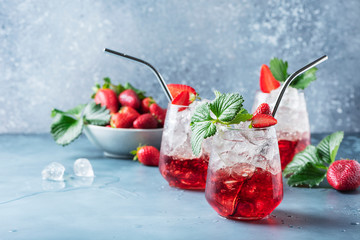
(127, 200)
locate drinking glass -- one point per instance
(293, 128)
(177, 163)
(244, 179)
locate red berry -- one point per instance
(147, 155)
(344, 175)
(263, 120)
(145, 121)
(107, 97)
(158, 112)
(176, 89)
(267, 80)
(130, 110)
(129, 98)
(122, 120)
(182, 99)
(146, 103)
(263, 108)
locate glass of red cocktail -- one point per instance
(244, 178)
(177, 163)
(293, 128)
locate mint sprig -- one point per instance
(225, 109)
(309, 167)
(279, 68)
(68, 125)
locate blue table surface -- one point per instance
(127, 200)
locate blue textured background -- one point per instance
(52, 52)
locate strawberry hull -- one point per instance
(244, 198)
(184, 173)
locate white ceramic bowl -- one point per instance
(118, 142)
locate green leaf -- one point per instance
(141, 94)
(217, 93)
(65, 129)
(279, 69)
(96, 114)
(302, 81)
(241, 117)
(329, 146)
(76, 111)
(202, 127)
(308, 175)
(309, 155)
(226, 106)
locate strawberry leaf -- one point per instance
(76, 111)
(65, 129)
(96, 114)
(309, 155)
(202, 127)
(279, 69)
(226, 106)
(329, 146)
(308, 175)
(241, 117)
(302, 81)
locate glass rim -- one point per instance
(247, 129)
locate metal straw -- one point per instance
(293, 76)
(157, 74)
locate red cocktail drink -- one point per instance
(244, 178)
(177, 163)
(289, 148)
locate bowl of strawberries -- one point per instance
(117, 120)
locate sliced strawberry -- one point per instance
(263, 108)
(108, 98)
(263, 120)
(176, 89)
(129, 98)
(147, 155)
(182, 99)
(121, 120)
(146, 103)
(267, 80)
(158, 112)
(145, 121)
(344, 175)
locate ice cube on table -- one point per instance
(83, 168)
(54, 171)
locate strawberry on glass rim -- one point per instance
(182, 94)
(262, 117)
(267, 80)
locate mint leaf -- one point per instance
(309, 155)
(302, 81)
(308, 175)
(226, 106)
(76, 111)
(65, 129)
(202, 127)
(141, 94)
(329, 146)
(96, 114)
(241, 117)
(278, 69)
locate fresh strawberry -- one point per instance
(129, 98)
(109, 126)
(182, 99)
(267, 80)
(147, 155)
(263, 120)
(146, 103)
(344, 175)
(121, 120)
(176, 89)
(107, 97)
(158, 112)
(129, 110)
(145, 121)
(263, 108)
